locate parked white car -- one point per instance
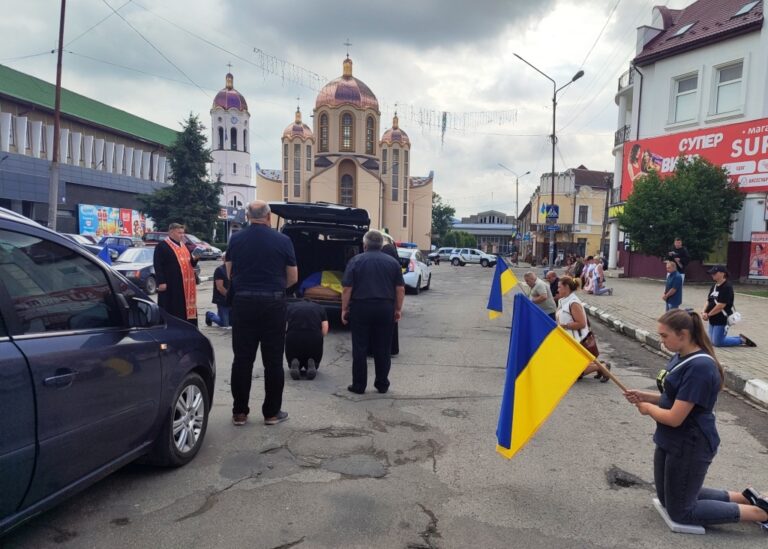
(416, 271)
(462, 256)
(441, 254)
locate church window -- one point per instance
(346, 191)
(297, 171)
(384, 161)
(323, 132)
(370, 132)
(406, 172)
(405, 215)
(245, 140)
(234, 168)
(233, 139)
(309, 158)
(395, 174)
(221, 138)
(347, 133)
(285, 157)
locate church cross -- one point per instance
(347, 44)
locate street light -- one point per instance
(517, 202)
(555, 89)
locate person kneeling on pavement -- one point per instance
(220, 289)
(306, 326)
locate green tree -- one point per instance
(192, 199)
(459, 239)
(442, 218)
(697, 203)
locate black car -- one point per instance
(93, 375)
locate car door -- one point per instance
(421, 261)
(97, 382)
(474, 256)
(17, 422)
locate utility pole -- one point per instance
(53, 189)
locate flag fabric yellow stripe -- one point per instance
(503, 281)
(544, 361)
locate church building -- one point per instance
(344, 161)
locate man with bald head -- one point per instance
(261, 265)
(540, 294)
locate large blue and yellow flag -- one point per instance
(543, 362)
(503, 281)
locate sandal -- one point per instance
(604, 378)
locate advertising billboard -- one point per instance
(741, 149)
(758, 256)
(104, 220)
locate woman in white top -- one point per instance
(573, 318)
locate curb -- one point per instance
(755, 390)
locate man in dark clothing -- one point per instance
(554, 281)
(175, 273)
(391, 251)
(372, 299)
(220, 288)
(307, 326)
(679, 255)
(261, 264)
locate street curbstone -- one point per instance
(757, 389)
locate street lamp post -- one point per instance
(555, 89)
(517, 204)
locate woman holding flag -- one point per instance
(686, 437)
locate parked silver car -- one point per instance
(463, 256)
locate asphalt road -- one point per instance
(417, 467)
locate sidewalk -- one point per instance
(636, 304)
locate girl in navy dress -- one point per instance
(686, 437)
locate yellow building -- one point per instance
(343, 161)
(581, 196)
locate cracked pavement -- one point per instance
(416, 467)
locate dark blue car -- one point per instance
(92, 374)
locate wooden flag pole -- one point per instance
(607, 373)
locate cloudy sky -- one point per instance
(163, 59)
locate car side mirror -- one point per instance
(144, 313)
(113, 254)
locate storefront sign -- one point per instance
(104, 220)
(741, 149)
(758, 256)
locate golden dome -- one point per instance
(347, 90)
(298, 129)
(395, 134)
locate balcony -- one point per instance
(621, 135)
(626, 79)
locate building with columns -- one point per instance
(343, 160)
(108, 157)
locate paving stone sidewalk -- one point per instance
(636, 304)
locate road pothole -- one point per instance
(618, 478)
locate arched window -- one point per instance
(233, 139)
(323, 132)
(245, 140)
(370, 132)
(221, 138)
(309, 158)
(347, 133)
(346, 191)
(395, 175)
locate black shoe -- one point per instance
(755, 499)
(605, 378)
(748, 342)
(294, 369)
(352, 389)
(208, 321)
(311, 369)
(381, 388)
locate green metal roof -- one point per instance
(29, 89)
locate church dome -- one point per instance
(395, 134)
(229, 97)
(298, 129)
(347, 90)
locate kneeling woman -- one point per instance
(686, 437)
(307, 325)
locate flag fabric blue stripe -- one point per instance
(530, 327)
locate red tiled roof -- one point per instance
(713, 21)
(592, 178)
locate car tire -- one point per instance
(484, 262)
(417, 289)
(150, 286)
(173, 449)
(197, 279)
(455, 262)
(429, 282)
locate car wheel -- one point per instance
(455, 262)
(197, 279)
(185, 424)
(484, 262)
(417, 289)
(150, 286)
(429, 282)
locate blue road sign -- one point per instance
(553, 211)
(553, 227)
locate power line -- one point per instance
(99, 22)
(600, 34)
(19, 58)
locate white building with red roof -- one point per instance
(697, 87)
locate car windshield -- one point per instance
(193, 239)
(136, 255)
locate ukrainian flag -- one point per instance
(503, 281)
(543, 362)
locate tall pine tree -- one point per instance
(192, 199)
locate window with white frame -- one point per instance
(728, 88)
(309, 158)
(583, 214)
(685, 98)
(296, 170)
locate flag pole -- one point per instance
(607, 373)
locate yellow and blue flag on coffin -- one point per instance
(542, 364)
(503, 281)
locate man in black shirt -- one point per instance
(391, 250)
(372, 299)
(307, 326)
(679, 255)
(261, 264)
(220, 288)
(554, 281)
